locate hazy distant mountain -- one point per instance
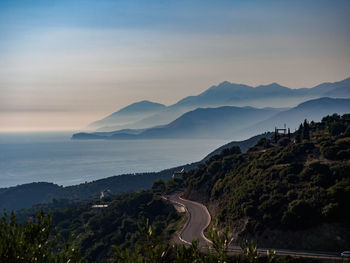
(221, 122)
(227, 93)
(340, 89)
(312, 110)
(224, 94)
(272, 95)
(161, 117)
(129, 114)
(230, 122)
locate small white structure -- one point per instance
(99, 206)
(178, 174)
(105, 193)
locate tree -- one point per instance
(347, 131)
(32, 241)
(336, 128)
(264, 142)
(158, 186)
(231, 151)
(220, 241)
(306, 131)
(283, 141)
(298, 133)
(331, 118)
(250, 250)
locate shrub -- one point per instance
(343, 155)
(158, 186)
(341, 171)
(214, 167)
(300, 214)
(340, 192)
(329, 152)
(347, 131)
(283, 141)
(330, 210)
(31, 242)
(336, 128)
(264, 142)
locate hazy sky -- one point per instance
(64, 64)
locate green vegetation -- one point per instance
(296, 185)
(135, 227)
(100, 228)
(28, 195)
(34, 241)
(152, 249)
(95, 230)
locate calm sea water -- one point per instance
(53, 157)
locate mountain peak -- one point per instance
(273, 85)
(141, 106)
(226, 85)
(132, 112)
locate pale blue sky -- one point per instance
(66, 63)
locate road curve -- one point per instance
(199, 219)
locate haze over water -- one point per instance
(53, 157)
(65, 64)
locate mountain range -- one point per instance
(146, 114)
(229, 122)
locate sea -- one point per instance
(54, 157)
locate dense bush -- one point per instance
(34, 241)
(117, 224)
(283, 141)
(264, 142)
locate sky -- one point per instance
(66, 63)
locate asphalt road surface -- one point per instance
(199, 219)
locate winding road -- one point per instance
(199, 219)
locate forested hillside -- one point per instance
(27, 195)
(96, 230)
(135, 227)
(285, 192)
